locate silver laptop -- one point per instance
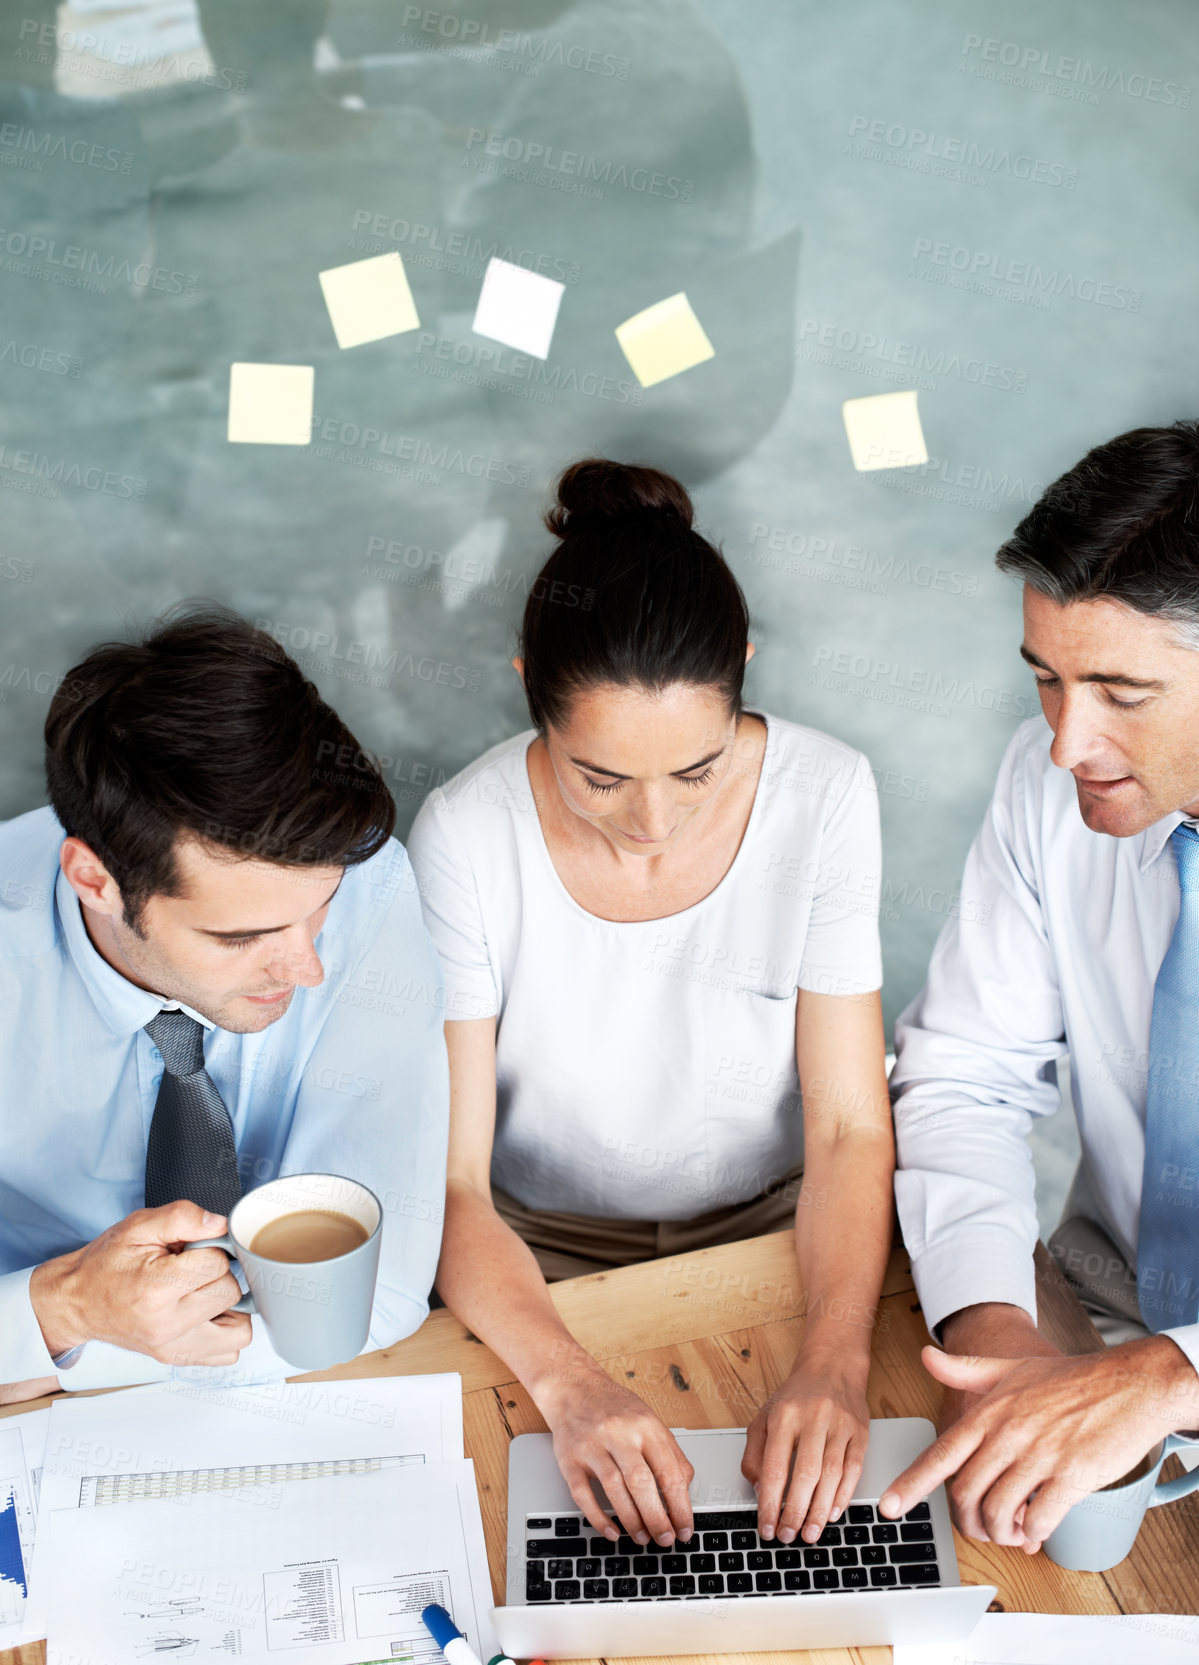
(572, 1594)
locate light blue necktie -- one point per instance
(1168, 1242)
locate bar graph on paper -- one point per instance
(99, 1489)
(16, 1532)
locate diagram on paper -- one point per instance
(16, 1527)
(12, 1558)
(170, 1642)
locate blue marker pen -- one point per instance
(450, 1639)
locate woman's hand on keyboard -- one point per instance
(604, 1432)
(819, 1417)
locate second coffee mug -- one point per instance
(312, 1281)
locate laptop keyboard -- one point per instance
(725, 1557)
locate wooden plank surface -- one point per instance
(704, 1339)
(680, 1299)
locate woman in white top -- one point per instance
(657, 916)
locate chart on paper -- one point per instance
(13, 1552)
(21, 1444)
(96, 1489)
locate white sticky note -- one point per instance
(664, 340)
(369, 300)
(518, 308)
(270, 404)
(884, 431)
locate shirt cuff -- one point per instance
(1186, 1337)
(101, 1365)
(976, 1265)
(24, 1356)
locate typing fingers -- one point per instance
(755, 1446)
(642, 1488)
(851, 1473)
(779, 1433)
(672, 1475)
(583, 1492)
(805, 1477)
(831, 1469)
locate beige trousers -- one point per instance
(567, 1245)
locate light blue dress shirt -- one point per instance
(351, 1080)
(1054, 947)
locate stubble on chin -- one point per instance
(1123, 821)
(237, 1017)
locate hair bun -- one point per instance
(598, 489)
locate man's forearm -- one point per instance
(1173, 1381)
(994, 1330)
(48, 1295)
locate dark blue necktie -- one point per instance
(1168, 1239)
(190, 1153)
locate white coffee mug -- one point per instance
(317, 1313)
(1099, 1531)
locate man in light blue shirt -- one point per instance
(218, 851)
(1078, 934)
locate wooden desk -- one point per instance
(704, 1339)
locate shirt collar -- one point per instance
(122, 1006)
(1155, 838)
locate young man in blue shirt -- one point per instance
(215, 881)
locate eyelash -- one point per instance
(241, 942)
(687, 780)
(1124, 705)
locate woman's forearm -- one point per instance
(490, 1280)
(843, 1231)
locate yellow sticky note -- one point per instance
(270, 404)
(369, 300)
(884, 431)
(664, 340)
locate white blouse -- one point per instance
(646, 1070)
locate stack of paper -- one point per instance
(211, 1523)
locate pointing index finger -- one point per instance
(944, 1457)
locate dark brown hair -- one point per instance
(1121, 525)
(632, 596)
(206, 727)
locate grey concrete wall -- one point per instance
(994, 204)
